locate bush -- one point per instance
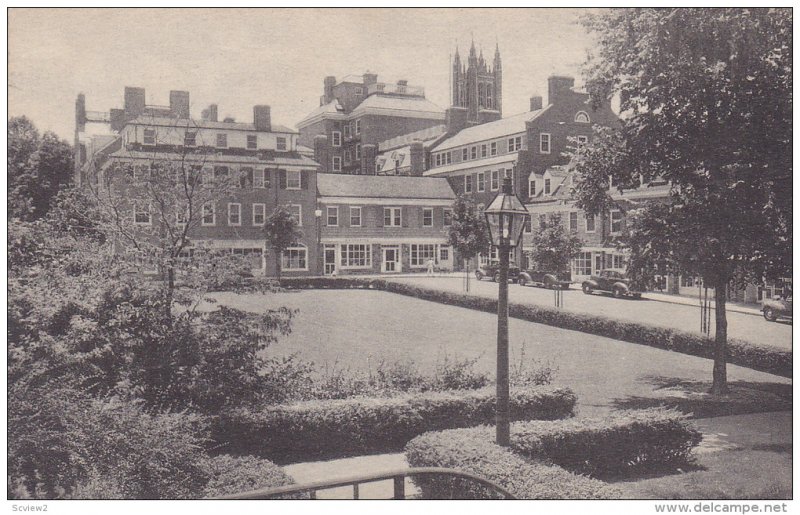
(742, 353)
(473, 450)
(618, 444)
(330, 428)
(238, 474)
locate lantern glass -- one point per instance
(505, 217)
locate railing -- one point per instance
(397, 89)
(397, 477)
(98, 116)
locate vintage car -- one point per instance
(550, 280)
(492, 271)
(776, 308)
(611, 281)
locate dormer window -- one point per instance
(582, 117)
(547, 186)
(222, 141)
(149, 137)
(190, 139)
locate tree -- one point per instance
(38, 168)
(280, 230)
(554, 246)
(468, 233)
(706, 102)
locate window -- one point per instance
(589, 223)
(468, 184)
(190, 139)
(464, 154)
(347, 131)
(260, 179)
(234, 214)
(222, 141)
(618, 261)
(392, 217)
(582, 264)
(616, 221)
(259, 214)
(582, 117)
(532, 188)
(355, 217)
(481, 182)
(514, 143)
(544, 143)
(294, 258)
(358, 127)
(348, 156)
(332, 213)
(252, 141)
(448, 218)
(149, 137)
(582, 140)
(293, 180)
(495, 180)
(420, 254)
(209, 214)
(246, 178)
(355, 256)
(427, 217)
(444, 253)
(297, 213)
(141, 213)
(573, 221)
(337, 164)
(473, 153)
(358, 152)
(448, 158)
(547, 186)
(493, 148)
(484, 150)
(542, 221)
(336, 139)
(358, 91)
(281, 143)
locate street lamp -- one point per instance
(505, 217)
(320, 262)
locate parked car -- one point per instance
(492, 271)
(550, 280)
(610, 281)
(776, 308)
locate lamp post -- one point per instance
(505, 218)
(320, 262)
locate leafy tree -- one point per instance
(706, 102)
(38, 168)
(468, 233)
(281, 232)
(554, 246)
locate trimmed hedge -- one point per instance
(333, 428)
(239, 474)
(740, 352)
(473, 450)
(617, 444)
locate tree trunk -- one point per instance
(278, 266)
(466, 277)
(720, 384)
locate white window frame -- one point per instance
(297, 248)
(547, 189)
(281, 143)
(336, 139)
(515, 143)
(395, 215)
(594, 223)
(299, 213)
(299, 178)
(495, 180)
(137, 211)
(426, 210)
(346, 130)
(335, 210)
(444, 253)
(473, 152)
(239, 212)
(217, 140)
(584, 113)
(346, 252)
(582, 140)
(484, 150)
(259, 206)
(531, 187)
(493, 148)
(259, 178)
(417, 260)
(358, 151)
(445, 212)
(255, 142)
(611, 221)
(352, 210)
(348, 156)
(545, 137)
(213, 222)
(358, 127)
(145, 138)
(573, 215)
(465, 154)
(481, 182)
(468, 182)
(336, 164)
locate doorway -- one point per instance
(391, 259)
(330, 259)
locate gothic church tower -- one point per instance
(478, 86)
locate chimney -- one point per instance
(262, 118)
(330, 82)
(455, 119)
(417, 157)
(80, 112)
(557, 86)
(536, 103)
(370, 78)
(210, 113)
(179, 104)
(321, 153)
(368, 152)
(117, 119)
(402, 82)
(134, 101)
(229, 119)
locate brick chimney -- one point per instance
(134, 101)
(557, 86)
(210, 113)
(417, 158)
(321, 154)
(330, 82)
(179, 104)
(455, 119)
(262, 118)
(369, 79)
(80, 112)
(536, 102)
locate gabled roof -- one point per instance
(424, 135)
(379, 186)
(491, 130)
(276, 158)
(389, 105)
(332, 108)
(185, 123)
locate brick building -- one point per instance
(356, 114)
(265, 158)
(384, 224)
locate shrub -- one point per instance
(327, 428)
(617, 444)
(238, 474)
(473, 450)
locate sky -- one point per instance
(238, 58)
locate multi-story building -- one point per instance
(265, 158)
(478, 87)
(384, 224)
(356, 114)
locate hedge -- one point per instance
(618, 444)
(321, 429)
(239, 474)
(473, 450)
(742, 353)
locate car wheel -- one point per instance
(496, 277)
(770, 315)
(617, 293)
(521, 281)
(587, 289)
(478, 275)
(637, 295)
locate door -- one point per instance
(330, 259)
(391, 259)
(598, 263)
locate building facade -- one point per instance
(261, 160)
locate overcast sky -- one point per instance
(238, 58)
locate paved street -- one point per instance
(748, 327)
